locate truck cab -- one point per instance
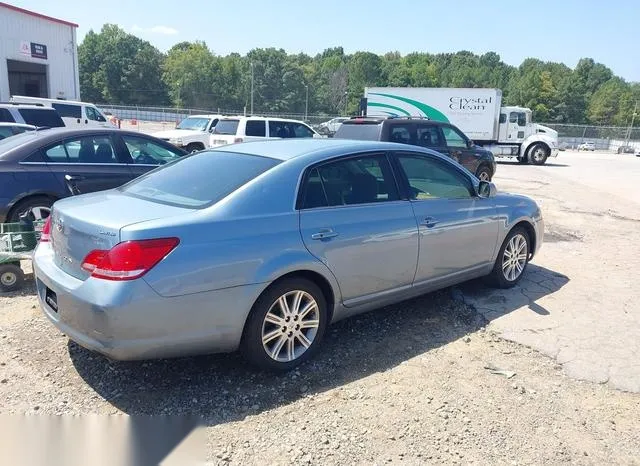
(519, 136)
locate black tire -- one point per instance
(11, 277)
(194, 147)
(484, 170)
(538, 153)
(35, 202)
(524, 159)
(252, 347)
(497, 277)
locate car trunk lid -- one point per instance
(80, 225)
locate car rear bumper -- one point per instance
(128, 320)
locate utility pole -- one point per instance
(306, 103)
(633, 117)
(251, 88)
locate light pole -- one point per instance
(346, 102)
(251, 88)
(306, 103)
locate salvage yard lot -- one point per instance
(409, 383)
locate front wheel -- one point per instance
(484, 173)
(538, 154)
(286, 325)
(194, 147)
(512, 259)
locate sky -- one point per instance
(560, 30)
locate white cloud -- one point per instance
(164, 30)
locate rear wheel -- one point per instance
(286, 325)
(40, 207)
(11, 277)
(538, 154)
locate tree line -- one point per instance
(119, 68)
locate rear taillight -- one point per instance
(238, 140)
(45, 234)
(128, 260)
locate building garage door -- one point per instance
(27, 79)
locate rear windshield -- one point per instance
(15, 141)
(361, 131)
(226, 127)
(199, 180)
(41, 117)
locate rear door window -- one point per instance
(256, 128)
(68, 110)
(43, 117)
(86, 150)
(5, 116)
(400, 134)
(356, 180)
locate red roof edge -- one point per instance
(37, 15)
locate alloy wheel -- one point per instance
(290, 326)
(514, 257)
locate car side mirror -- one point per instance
(487, 189)
(470, 144)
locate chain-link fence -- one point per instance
(604, 137)
(168, 114)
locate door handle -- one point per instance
(429, 222)
(73, 177)
(324, 234)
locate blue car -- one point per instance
(259, 246)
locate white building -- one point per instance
(38, 55)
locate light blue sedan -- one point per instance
(259, 246)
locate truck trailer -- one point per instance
(505, 131)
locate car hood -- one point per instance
(177, 133)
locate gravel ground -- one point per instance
(406, 383)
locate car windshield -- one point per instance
(199, 180)
(228, 127)
(194, 124)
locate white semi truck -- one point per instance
(505, 131)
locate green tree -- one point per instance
(120, 68)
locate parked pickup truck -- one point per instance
(192, 133)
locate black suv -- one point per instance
(436, 135)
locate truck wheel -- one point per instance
(194, 147)
(538, 153)
(523, 159)
(484, 173)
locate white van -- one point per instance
(74, 114)
(230, 130)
